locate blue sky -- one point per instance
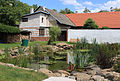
(76, 5)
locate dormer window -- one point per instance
(42, 20)
(24, 19)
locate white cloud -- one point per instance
(88, 3)
(113, 3)
(70, 2)
(93, 7)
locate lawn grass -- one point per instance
(11, 45)
(14, 74)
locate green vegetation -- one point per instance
(81, 54)
(9, 45)
(66, 11)
(11, 11)
(105, 27)
(90, 24)
(117, 65)
(86, 10)
(103, 11)
(54, 33)
(13, 74)
(9, 29)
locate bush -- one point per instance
(105, 54)
(9, 29)
(117, 65)
(90, 24)
(105, 27)
(54, 33)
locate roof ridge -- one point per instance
(94, 13)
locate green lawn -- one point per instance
(10, 45)
(13, 74)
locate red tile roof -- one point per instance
(110, 19)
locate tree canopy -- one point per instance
(11, 11)
(9, 29)
(66, 11)
(103, 11)
(117, 9)
(90, 24)
(86, 10)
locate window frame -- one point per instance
(42, 20)
(41, 32)
(24, 19)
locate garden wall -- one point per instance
(9, 38)
(106, 35)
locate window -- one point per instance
(41, 32)
(24, 19)
(42, 20)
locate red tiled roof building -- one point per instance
(109, 19)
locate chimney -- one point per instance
(43, 8)
(76, 11)
(32, 10)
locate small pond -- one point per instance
(37, 62)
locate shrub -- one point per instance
(36, 49)
(54, 33)
(105, 54)
(9, 29)
(117, 65)
(81, 58)
(90, 24)
(105, 27)
(81, 54)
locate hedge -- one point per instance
(9, 29)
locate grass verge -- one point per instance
(14, 74)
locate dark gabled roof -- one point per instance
(35, 13)
(61, 18)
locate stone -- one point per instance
(2, 51)
(10, 65)
(63, 72)
(47, 72)
(111, 75)
(82, 76)
(98, 78)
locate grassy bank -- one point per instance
(13, 74)
(11, 45)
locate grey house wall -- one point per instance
(102, 36)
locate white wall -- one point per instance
(108, 35)
(33, 21)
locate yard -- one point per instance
(55, 57)
(13, 74)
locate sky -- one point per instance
(76, 5)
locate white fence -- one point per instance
(106, 35)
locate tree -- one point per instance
(55, 10)
(86, 10)
(54, 33)
(90, 24)
(35, 6)
(11, 11)
(66, 11)
(111, 9)
(116, 9)
(103, 11)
